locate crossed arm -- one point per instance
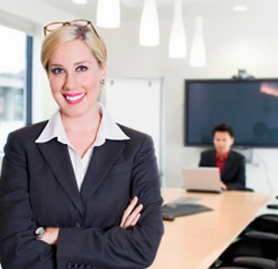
(129, 218)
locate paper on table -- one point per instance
(183, 206)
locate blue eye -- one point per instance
(81, 68)
(57, 70)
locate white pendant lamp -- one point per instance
(177, 43)
(108, 13)
(149, 25)
(198, 53)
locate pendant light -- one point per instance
(198, 54)
(149, 25)
(177, 43)
(108, 13)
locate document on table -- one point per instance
(183, 206)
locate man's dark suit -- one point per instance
(233, 174)
(38, 188)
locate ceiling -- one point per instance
(131, 9)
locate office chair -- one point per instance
(247, 189)
(267, 231)
(266, 222)
(252, 263)
(256, 247)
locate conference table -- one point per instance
(196, 241)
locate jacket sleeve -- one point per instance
(116, 247)
(239, 182)
(201, 162)
(18, 246)
(206, 159)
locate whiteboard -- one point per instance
(138, 104)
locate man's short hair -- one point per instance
(223, 127)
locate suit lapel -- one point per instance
(57, 157)
(101, 162)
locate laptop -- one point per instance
(202, 179)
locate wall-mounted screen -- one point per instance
(249, 106)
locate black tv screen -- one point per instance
(249, 106)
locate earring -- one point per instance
(102, 82)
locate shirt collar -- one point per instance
(224, 158)
(53, 129)
(108, 129)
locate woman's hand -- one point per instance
(50, 236)
(131, 214)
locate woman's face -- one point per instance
(75, 75)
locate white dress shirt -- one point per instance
(108, 129)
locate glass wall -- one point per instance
(14, 81)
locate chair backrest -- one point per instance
(276, 264)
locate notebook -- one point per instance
(202, 179)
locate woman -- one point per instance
(78, 191)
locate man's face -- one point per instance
(222, 142)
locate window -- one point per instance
(15, 81)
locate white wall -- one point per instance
(232, 43)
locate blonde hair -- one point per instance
(68, 33)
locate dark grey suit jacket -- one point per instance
(38, 188)
(233, 174)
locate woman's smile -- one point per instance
(74, 99)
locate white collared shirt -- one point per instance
(108, 129)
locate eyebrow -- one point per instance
(81, 62)
(77, 63)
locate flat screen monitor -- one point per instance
(249, 106)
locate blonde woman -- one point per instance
(79, 190)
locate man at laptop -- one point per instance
(230, 163)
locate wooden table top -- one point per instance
(196, 241)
